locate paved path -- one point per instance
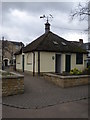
(76, 109)
(40, 93)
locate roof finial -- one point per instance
(47, 19)
(47, 25)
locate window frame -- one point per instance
(79, 58)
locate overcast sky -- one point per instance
(21, 21)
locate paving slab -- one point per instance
(76, 109)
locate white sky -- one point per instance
(21, 21)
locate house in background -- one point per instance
(50, 53)
(85, 46)
(8, 50)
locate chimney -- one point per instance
(81, 41)
(47, 27)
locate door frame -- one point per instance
(33, 63)
(69, 64)
(6, 59)
(56, 62)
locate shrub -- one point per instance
(75, 71)
(86, 71)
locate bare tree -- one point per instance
(82, 11)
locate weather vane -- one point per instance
(47, 17)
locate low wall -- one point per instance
(12, 85)
(68, 81)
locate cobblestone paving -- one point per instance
(40, 93)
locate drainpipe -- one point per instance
(33, 63)
(38, 63)
(23, 62)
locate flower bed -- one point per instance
(12, 84)
(68, 81)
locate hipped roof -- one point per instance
(51, 42)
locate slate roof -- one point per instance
(51, 42)
(85, 46)
(17, 43)
(82, 45)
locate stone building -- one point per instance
(8, 50)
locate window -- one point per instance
(79, 58)
(87, 46)
(17, 47)
(55, 42)
(63, 43)
(29, 59)
(88, 53)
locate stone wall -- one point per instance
(12, 85)
(68, 81)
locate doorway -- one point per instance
(5, 62)
(58, 63)
(68, 63)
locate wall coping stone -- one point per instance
(65, 77)
(15, 76)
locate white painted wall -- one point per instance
(28, 61)
(36, 62)
(47, 64)
(19, 62)
(79, 66)
(62, 62)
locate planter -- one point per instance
(12, 84)
(68, 81)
